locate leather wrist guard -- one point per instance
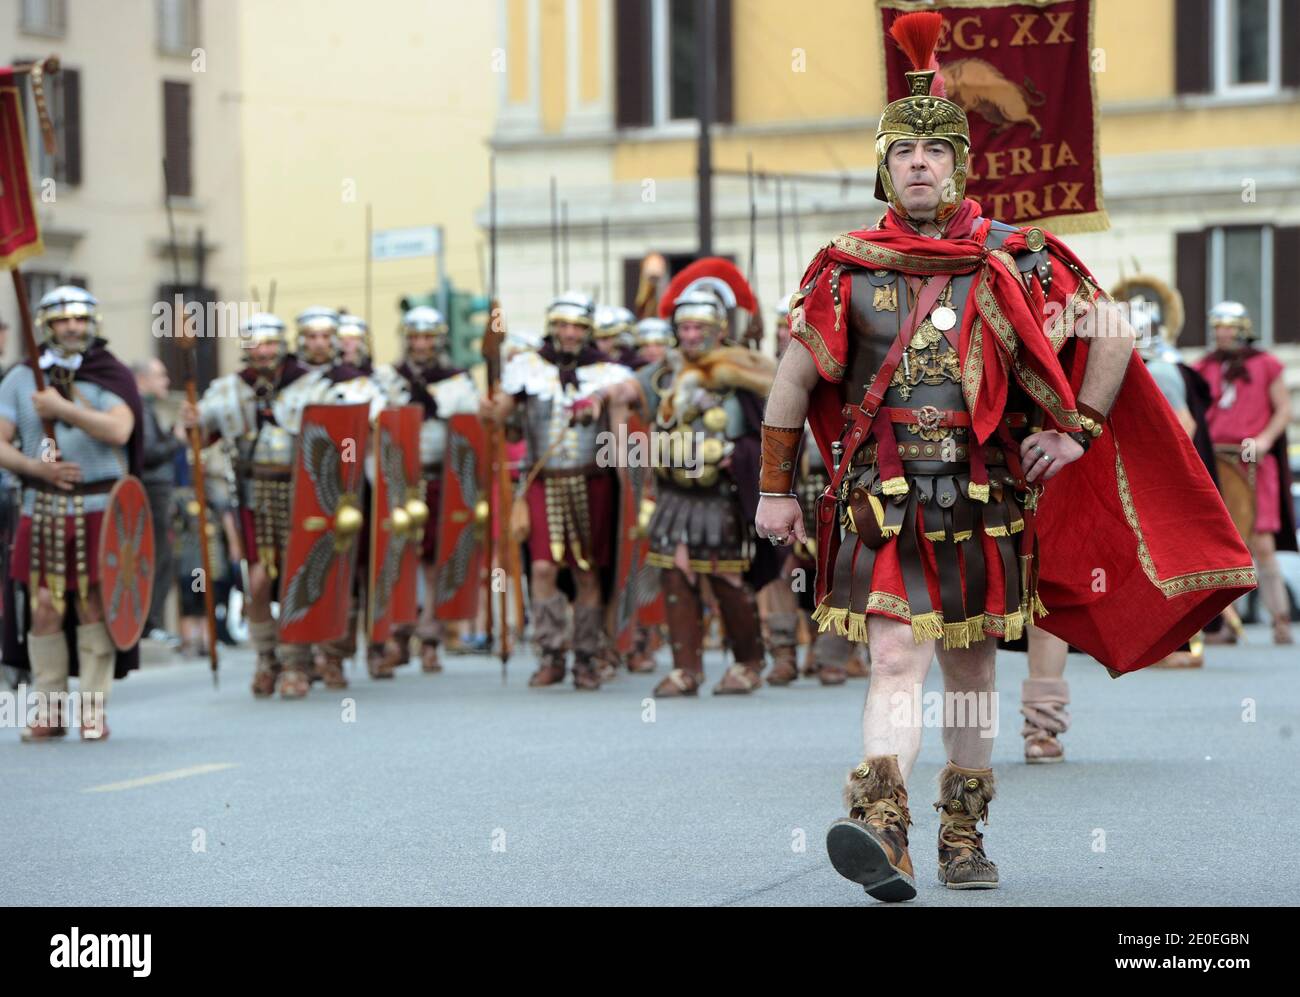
(779, 458)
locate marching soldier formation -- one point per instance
(922, 471)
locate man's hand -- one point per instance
(49, 404)
(495, 408)
(60, 473)
(586, 410)
(187, 417)
(781, 518)
(1044, 454)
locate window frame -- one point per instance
(1216, 273)
(191, 9)
(56, 25)
(1224, 49)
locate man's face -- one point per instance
(919, 171)
(608, 345)
(652, 352)
(569, 336)
(154, 382)
(693, 337)
(1225, 337)
(421, 346)
(264, 356)
(71, 334)
(350, 349)
(317, 345)
(4, 338)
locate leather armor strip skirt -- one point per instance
(709, 521)
(948, 566)
(572, 519)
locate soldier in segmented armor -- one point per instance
(705, 400)
(320, 347)
(557, 396)
(92, 403)
(425, 377)
(256, 413)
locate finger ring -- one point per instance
(1038, 449)
(776, 541)
(1048, 458)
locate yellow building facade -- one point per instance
(1221, 166)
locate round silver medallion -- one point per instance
(944, 318)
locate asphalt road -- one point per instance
(455, 789)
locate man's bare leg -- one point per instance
(1044, 698)
(870, 845)
(1263, 547)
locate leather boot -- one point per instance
(589, 646)
(783, 646)
(551, 631)
(430, 634)
(295, 678)
(833, 653)
(262, 635)
(739, 611)
(870, 845)
(640, 660)
(684, 617)
(330, 670)
(964, 796)
(48, 656)
(1043, 703)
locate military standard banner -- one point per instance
(1023, 73)
(19, 235)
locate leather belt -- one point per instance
(88, 488)
(929, 451)
(271, 472)
(586, 471)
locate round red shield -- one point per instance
(126, 562)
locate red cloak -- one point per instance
(1136, 550)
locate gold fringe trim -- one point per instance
(826, 616)
(1013, 626)
(858, 627)
(963, 535)
(890, 531)
(700, 567)
(978, 493)
(995, 531)
(927, 626)
(894, 486)
(935, 534)
(963, 634)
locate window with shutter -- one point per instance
(657, 73)
(44, 17)
(1191, 257)
(176, 138)
(1247, 46)
(178, 22)
(1286, 284)
(1193, 63)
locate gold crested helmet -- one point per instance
(925, 113)
(573, 307)
(262, 327)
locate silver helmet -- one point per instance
(423, 319)
(1235, 315)
(573, 307)
(68, 301)
(655, 332)
(261, 327)
(1154, 311)
(353, 327)
(317, 317)
(612, 321)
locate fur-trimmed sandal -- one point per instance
(679, 682)
(739, 680)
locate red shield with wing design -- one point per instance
(318, 564)
(462, 520)
(398, 517)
